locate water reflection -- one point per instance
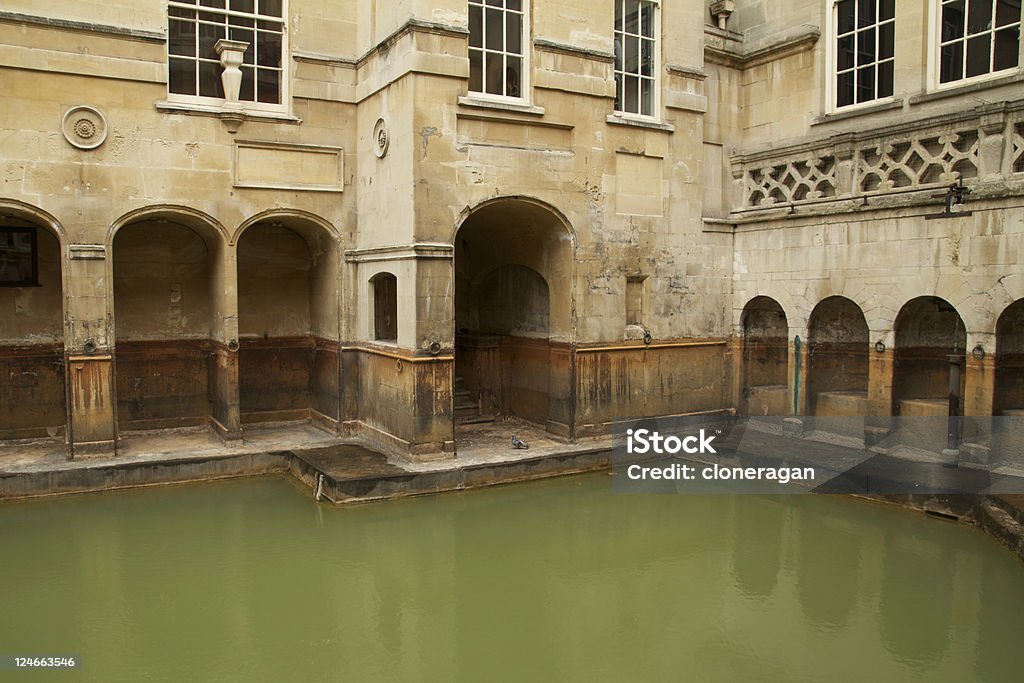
(558, 580)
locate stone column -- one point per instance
(225, 404)
(799, 359)
(979, 400)
(881, 370)
(89, 364)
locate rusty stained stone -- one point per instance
(32, 391)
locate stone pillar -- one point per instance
(88, 348)
(733, 391)
(979, 400)
(881, 370)
(225, 403)
(991, 145)
(799, 360)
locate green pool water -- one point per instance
(559, 580)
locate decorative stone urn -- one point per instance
(231, 57)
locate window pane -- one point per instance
(845, 15)
(495, 86)
(631, 64)
(513, 34)
(1007, 46)
(514, 76)
(247, 35)
(494, 28)
(952, 68)
(209, 34)
(18, 257)
(647, 20)
(979, 17)
(493, 3)
(632, 24)
(248, 90)
(618, 92)
(268, 86)
(865, 12)
(885, 71)
(476, 71)
(845, 52)
(844, 89)
(182, 75)
(647, 97)
(212, 3)
(209, 79)
(886, 40)
(270, 7)
(866, 84)
(647, 58)
(181, 38)
(978, 50)
(630, 88)
(476, 26)
(618, 15)
(1007, 12)
(865, 46)
(243, 5)
(517, 5)
(886, 9)
(269, 49)
(952, 20)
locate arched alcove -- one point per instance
(288, 321)
(838, 347)
(164, 301)
(765, 358)
(32, 381)
(513, 313)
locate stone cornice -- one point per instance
(572, 50)
(107, 30)
(740, 58)
(405, 252)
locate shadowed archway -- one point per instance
(765, 358)
(513, 314)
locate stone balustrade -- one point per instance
(983, 146)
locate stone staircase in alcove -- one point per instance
(467, 407)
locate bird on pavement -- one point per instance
(516, 443)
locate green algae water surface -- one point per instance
(550, 581)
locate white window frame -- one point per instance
(935, 54)
(658, 39)
(832, 60)
(203, 102)
(526, 44)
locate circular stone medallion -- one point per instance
(84, 127)
(381, 139)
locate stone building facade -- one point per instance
(374, 215)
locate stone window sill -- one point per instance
(967, 88)
(218, 112)
(497, 105)
(621, 120)
(832, 117)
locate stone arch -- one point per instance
(838, 342)
(168, 269)
(33, 390)
(765, 357)
(928, 332)
(1009, 388)
(289, 322)
(516, 254)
